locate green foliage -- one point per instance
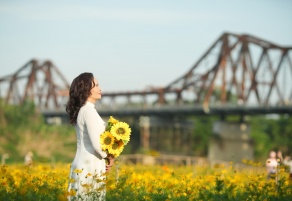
(20, 124)
(18, 115)
(23, 129)
(267, 134)
(271, 134)
(202, 134)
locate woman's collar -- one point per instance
(89, 103)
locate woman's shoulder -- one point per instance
(86, 110)
(89, 112)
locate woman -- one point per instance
(90, 163)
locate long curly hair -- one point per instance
(78, 94)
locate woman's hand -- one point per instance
(110, 162)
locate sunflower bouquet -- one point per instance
(115, 137)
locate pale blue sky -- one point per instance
(131, 44)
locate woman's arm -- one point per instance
(95, 128)
(110, 162)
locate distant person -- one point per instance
(271, 164)
(288, 162)
(279, 157)
(90, 162)
(28, 159)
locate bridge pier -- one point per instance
(230, 142)
(169, 135)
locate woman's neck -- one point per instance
(91, 100)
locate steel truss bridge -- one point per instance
(238, 74)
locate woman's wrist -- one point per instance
(110, 156)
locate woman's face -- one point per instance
(95, 92)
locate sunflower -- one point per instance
(116, 148)
(112, 121)
(121, 131)
(106, 140)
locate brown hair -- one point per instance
(78, 94)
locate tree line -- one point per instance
(23, 129)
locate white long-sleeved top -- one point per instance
(89, 156)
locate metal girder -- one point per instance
(235, 70)
(40, 82)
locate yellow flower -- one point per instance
(112, 120)
(72, 192)
(77, 171)
(89, 174)
(71, 180)
(121, 131)
(117, 148)
(106, 140)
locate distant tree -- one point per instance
(271, 134)
(202, 134)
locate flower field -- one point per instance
(140, 182)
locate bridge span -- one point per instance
(236, 69)
(237, 75)
(182, 111)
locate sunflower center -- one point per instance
(107, 140)
(121, 131)
(115, 146)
